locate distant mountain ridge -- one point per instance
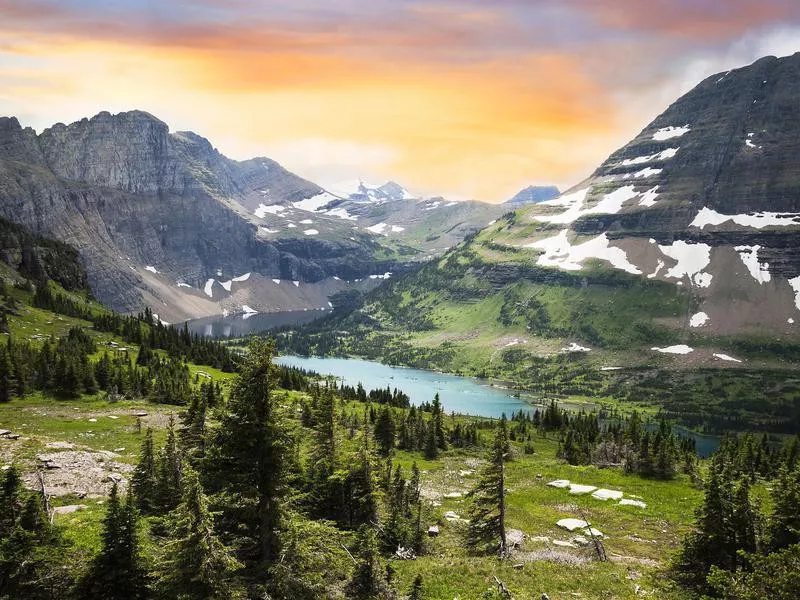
(534, 194)
(164, 220)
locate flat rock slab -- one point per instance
(559, 483)
(629, 502)
(564, 544)
(453, 495)
(592, 531)
(603, 494)
(452, 516)
(80, 472)
(60, 445)
(70, 508)
(578, 489)
(572, 524)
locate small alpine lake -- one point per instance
(458, 394)
(463, 395)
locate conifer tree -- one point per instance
(488, 510)
(144, 483)
(783, 525)
(6, 383)
(385, 430)
(116, 572)
(416, 589)
(367, 580)
(437, 419)
(363, 504)
(168, 471)
(193, 426)
(710, 543)
(431, 447)
(195, 564)
(248, 455)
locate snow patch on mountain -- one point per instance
(758, 220)
(663, 155)
(676, 349)
(749, 256)
(692, 259)
(273, 209)
(667, 133)
(558, 252)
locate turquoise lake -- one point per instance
(458, 394)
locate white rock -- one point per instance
(564, 544)
(571, 524)
(578, 489)
(629, 502)
(559, 483)
(604, 494)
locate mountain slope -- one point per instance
(533, 194)
(630, 285)
(163, 219)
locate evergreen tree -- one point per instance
(437, 419)
(116, 572)
(144, 483)
(193, 426)
(195, 564)
(416, 589)
(709, 544)
(431, 447)
(783, 525)
(488, 509)
(363, 504)
(248, 454)
(6, 383)
(169, 472)
(385, 430)
(367, 580)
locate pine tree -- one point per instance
(783, 525)
(248, 455)
(195, 564)
(488, 509)
(144, 483)
(431, 447)
(367, 580)
(416, 589)
(168, 472)
(710, 543)
(6, 384)
(438, 423)
(193, 426)
(363, 504)
(116, 572)
(385, 430)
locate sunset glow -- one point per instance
(472, 99)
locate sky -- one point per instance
(466, 98)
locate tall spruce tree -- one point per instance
(248, 455)
(169, 467)
(783, 525)
(117, 572)
(385, 430)
(487, 524)
(195, 565)
(144, 482)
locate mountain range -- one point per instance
(671, 274)
(162, 219)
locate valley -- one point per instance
(220, 380)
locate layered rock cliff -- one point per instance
(155, 215)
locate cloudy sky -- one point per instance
(471, 98)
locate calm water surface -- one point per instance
(458, 394)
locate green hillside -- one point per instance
(487, 309)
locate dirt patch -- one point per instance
(559, 557)
(80, 473)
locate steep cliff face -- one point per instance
(707, 197)
(155, 215)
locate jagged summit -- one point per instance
(533, 194)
